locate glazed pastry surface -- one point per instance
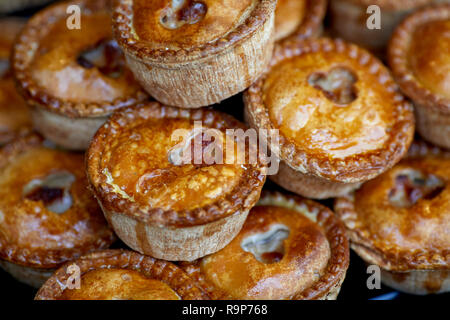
(302, 253)
(138, 166)
(429, 56)
(329, 105)
(39, 217)
(119, 284)
(187, 23)
(289, 15)
(82, 65)
(407, 208)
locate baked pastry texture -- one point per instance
(7, 6)
(419, 54)
(400, 221)
(161, 201)
(15, 118)
(349, 20)
(121, 275)
(73, 78)
(289, 248)
(340, 116)
(192, 54)
(46, 215)
(299, 18)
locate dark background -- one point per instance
(353, 288)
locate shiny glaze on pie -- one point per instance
(46, 214)
(137, 166)
(242, 276)
(289, 15)
(187, 23)
(401, 219)
(429, 56)
(283, 238)
(330, 105)
(135, 163)
(59, 69)
(14, 113)
(119, 284)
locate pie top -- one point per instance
(152, 162)
(14, 114)
(420, 58)
(76, 72)
(186, 29)
(46, 215)
(121, 275)
(284, 238)
(119, 284)
(335, 103)
(401, 219)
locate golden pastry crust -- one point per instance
(258, 12)
(405, 233)
(30, 233)
(48, 51)
(418, 55)
(315, 252)
(324, 56)
(138, 266)
(15, 118)
(299, 18)
(209, 199)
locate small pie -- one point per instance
(350, 20)
(164, 196)
(340, 116)
(7, 6)
(419, 55)
(289, 248)
(73, 78)
(299, 18)
(194, 53)
(46, 215)
(120, 275)
(400, 221)
(15, 118)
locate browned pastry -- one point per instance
(419, 54)
(289, 248)
(73, 78)
(340, 116)
(46, 215)
(195, 53)
(400, 221)
(299, 18)
(349, 20)
(15, 118)
(121, 275)
(160, 204)
(7, 6)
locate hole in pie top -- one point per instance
(106, 56)
(182, 12)
(198, 149)
(338, 84)
(267, 247)
(53, 190)
(413, 185)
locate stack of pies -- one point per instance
(114, 132)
